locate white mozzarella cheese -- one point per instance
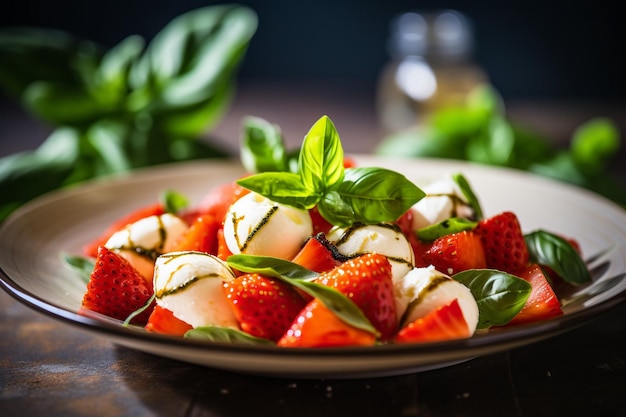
(148, 235)
(383, 239)
(190, 285)
(424, 289)
(444, 199)
(255, 225)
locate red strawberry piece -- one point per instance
(316, 255)
(316, 326)
(218, 200)
(542, 303)
(443, 323)
(116, 289)
(91, 249)
(222, 248)
(367, 281)
(456, 252)
(163, 321)
(503, 241)
(265, 307)
(201, 236)
(320, 224)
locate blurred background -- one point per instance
(555, 65)
(530, 49)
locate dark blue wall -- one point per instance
(530, 49)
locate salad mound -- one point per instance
(310, 250)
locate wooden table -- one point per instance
(48, 368)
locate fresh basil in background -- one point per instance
(115, 110)
(480, 131)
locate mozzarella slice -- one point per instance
(148, 236)
(384, 239)
(424, 289)
(255, 225)
(189, 284)
(444, 199)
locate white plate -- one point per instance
(32, 240)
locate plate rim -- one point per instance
(515, 336)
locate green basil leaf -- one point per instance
(64, 58)
(281, 187)
(81, 265)
(445, 227)
(300, 278)
(263, 147)
(225, 335)
(60, 104)
(195, 53)
(26, 175)
(469, 194)
(593, 143)
(495, 145)
(377, 195)
(500, 296)
(321, 156)
(107, 139)
(174, 202)
(112, 76)
(548, 249)
(335, 210)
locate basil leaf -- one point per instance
(445, 227)
(548, 249)
(23, 49)
(29, 174)
(263, 147)
(335, 210)
(469, 194)
(500, 296)
(377, 195)
(81, 265)
(225, 335)
(281, 187)
(321, 156)
(115, 66)
(174, 202)
(270, 266)
(190, 64)
(593, 143)
(300, 278)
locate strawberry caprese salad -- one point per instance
(309, 250)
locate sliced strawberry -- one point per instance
(201, 236)
(91, 249)
(443, 323)
(265, 307)
(320, 224)
(163, 321)
(316, 326)
(367, 281)
(116, 289)
(503, 241)
(456, 252)
(222, 248)
(542, 303)
(218, 200)
(316, 255)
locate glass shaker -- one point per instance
(431, 67)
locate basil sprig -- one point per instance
(499, 296)
(343, 196)
(225, 335)
(134, 105)
(548, 249)
(301, 278)
(445, 227)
